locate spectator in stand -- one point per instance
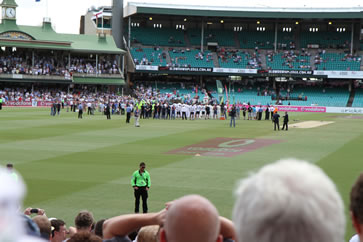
(13, 226)
(83, 222)
(85, 236)
(289, 200)
(194, 218)
(99, 228)
(191, 218)
(356, 208)
(20, 62)
(59, 230)
(44, 226)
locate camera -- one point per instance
(34, 210)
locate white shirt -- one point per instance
(355, 238)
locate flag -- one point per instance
(219, 90)
(97, 14)
(219, 87)
(226, 92)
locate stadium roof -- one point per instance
(44, 37)
(243, 12)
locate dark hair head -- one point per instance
(356, 199)
(99, 228)
(56, 224)
(84, 220)
(85, 236)
(142, 164)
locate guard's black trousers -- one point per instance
(141, 192)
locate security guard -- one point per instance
(141, 183)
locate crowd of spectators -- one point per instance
(23, 63)
(183, 57)
(291, 58)
(288, 200)
(252, 60)
(320, 58)
(156, 56)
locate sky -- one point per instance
(65, 14)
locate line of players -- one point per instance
(200, 111)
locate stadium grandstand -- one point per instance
(261, 55)
(304, 56)
(37, 55)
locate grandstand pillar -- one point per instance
(117, 22)
(96, 64)
(275, 43)
(351, 40)
(128, 77)
(202, 38)
(121, 64)
(69, 60)
(274, 83)
(129, 34)
(33, 58)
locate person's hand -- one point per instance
(41, 211)
(27, 211)
(136, 188)
(147, 189)
(169, 204)
(160, 217)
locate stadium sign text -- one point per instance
(147, 68)
(235, 70)
(290, 72)
(189, 69)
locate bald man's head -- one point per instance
(191, 218)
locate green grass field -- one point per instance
(71, 164)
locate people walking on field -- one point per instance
(108, 111)
(249, 110)
(80, 110)
(137, 116)
(286, 121)
(267, 113)
(272, 109)
(128, 113)
(275, 119)
(232, 114)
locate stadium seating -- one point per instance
(282, 61)
(222, 37)
(335, 97)
(332, 40)
(242, 60)
(148, 56)
(191, 58)
(338, 61)
(358, 98)
(158, 36)
(285, 40)
(252, 39)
